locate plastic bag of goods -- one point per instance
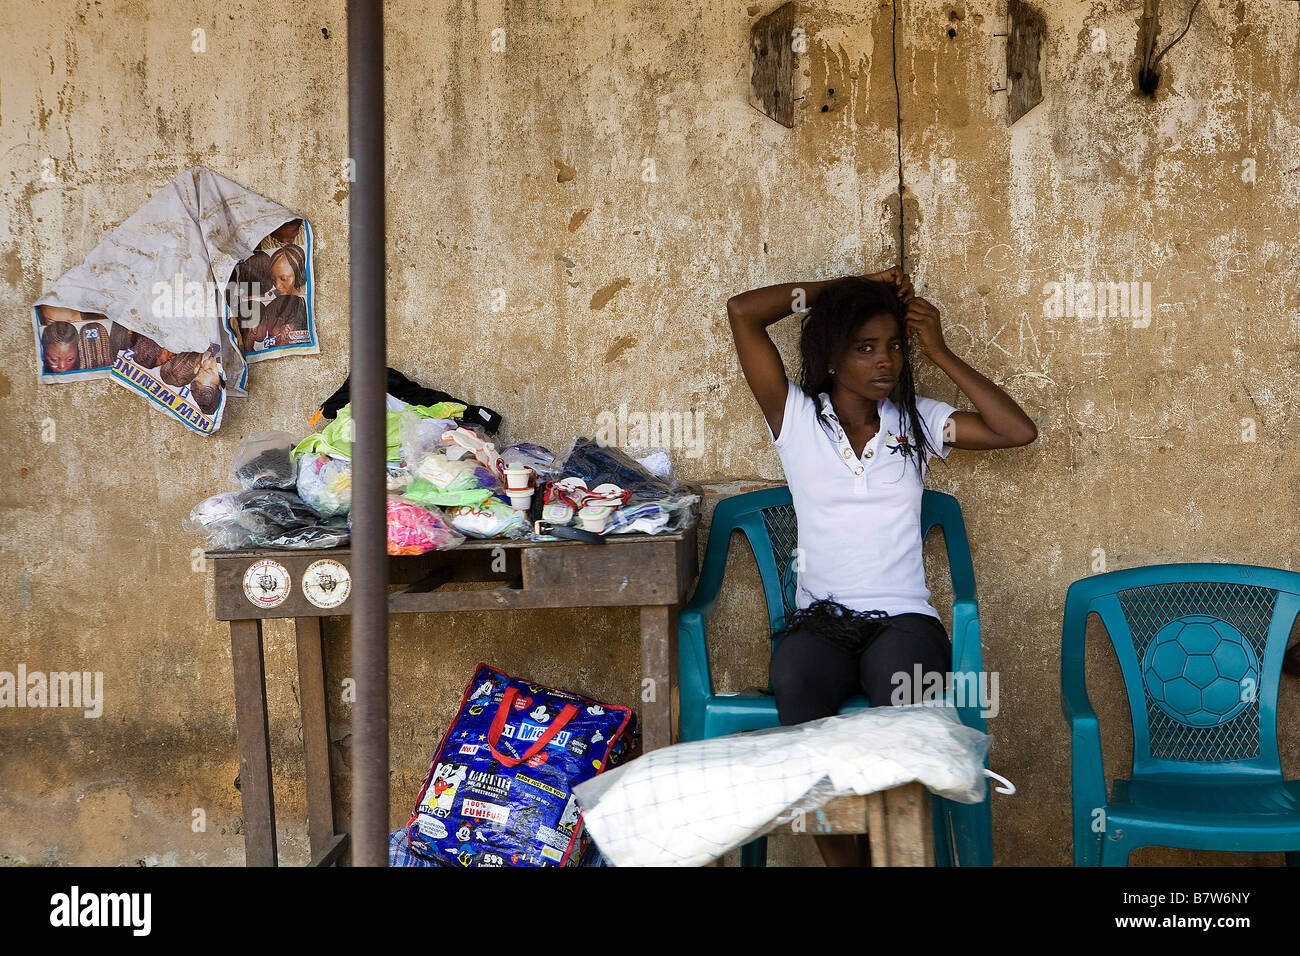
(264, 460)
(217, 519)
(415, 529)
(500, 789)
(274, 518)
(493, 518)
(325, 484)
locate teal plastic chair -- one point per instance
(963, 833)
(1200, 647)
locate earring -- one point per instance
(832, 371)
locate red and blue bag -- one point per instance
(500, 789)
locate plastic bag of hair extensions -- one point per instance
(217, 519)
(274, 518)
(414, 529)
(264, 460)
(492, 519)
(329, 533)
(269, 512)
(657, 516)
(597, 463)
(325, 484)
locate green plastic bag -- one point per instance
(336, 437)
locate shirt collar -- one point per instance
(827, 413)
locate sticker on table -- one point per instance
(266, 583)
(326, 583)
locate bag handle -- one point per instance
(499, 722)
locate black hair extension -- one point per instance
(849, 630)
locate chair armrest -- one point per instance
(1087, 773)
(1085, 738)
(1088, 790)
(1075, 704)
(966, 655)
(968, 667)
(694, 677)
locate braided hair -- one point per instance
(827, 332)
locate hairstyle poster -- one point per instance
(269, 296)
(74, 346)
(174, 303)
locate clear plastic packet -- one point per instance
(329, 533)
(457, 493)
(649, 517)
(269, 512)
(325, 484)
(656, 504)
(597, 463)
(264, 460)
(399, 479)
(436, 478)
(217, 519)
(492, 518)
(541, 461)
(464, 442)
(419, 436)
(415, 529)
(657, 461)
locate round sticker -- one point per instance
(266, 583)
(326, 583)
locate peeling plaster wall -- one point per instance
(604, 183)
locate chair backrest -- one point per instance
(767, 519)
(1200, 648)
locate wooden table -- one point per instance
(898, 821)
(651, 572)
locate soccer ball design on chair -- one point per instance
(1201, 671)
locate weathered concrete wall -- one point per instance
(606, 175)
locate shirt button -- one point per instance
(870, 452)
(859, 471)
(848, 453)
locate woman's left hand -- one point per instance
(922, 321)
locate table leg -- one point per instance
(658, 640)
(315, 733)
(900, 824)
(255, 794)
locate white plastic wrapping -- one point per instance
(688, 804)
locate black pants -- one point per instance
(812, 676)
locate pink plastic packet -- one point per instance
(415, 529)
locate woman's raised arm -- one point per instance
(750, 313)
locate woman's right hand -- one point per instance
(897, 278)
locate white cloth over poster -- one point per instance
(186, 239)
(689, 804)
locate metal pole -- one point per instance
(369, 482)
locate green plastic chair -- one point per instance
(963, 833)
(1200, 647)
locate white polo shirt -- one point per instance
(859, 518)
